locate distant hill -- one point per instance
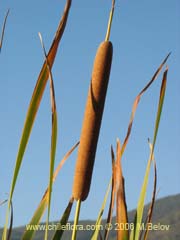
(166, 212)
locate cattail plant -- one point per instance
(87, 149)
(92, 120)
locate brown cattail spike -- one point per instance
(92, 121)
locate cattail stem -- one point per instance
(76, 219)
(110, 21)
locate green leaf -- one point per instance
(53, 135)
(112, 198)
(150, 211)
(11, 224)
(28, 234)
(139, 212)
(160, 106)
(11, 219)
(99, 219)
(60, 230)
(52, 160)
(34, 105)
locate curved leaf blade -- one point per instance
(137, 99)
(139, 212)
(53, 134)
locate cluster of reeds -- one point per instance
(87, 145)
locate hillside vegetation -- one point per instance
(166, 212)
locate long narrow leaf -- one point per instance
(60, 230)
(11, 224)
(160, 106)
(161, 101)
(137, 99)
(34, 104)
(150, 212)
(52, 160)
(28, 234)
(113, 192)
(53, 134)
(139, 212)
(121, 208)
(99, 219)
(11, 219)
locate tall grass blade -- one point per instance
(11, 224)
(60, 230)
(99, 219)
(150, 212)
(121, 208)
(28, 234)
(34, 104)
(160, 106)
(139, 212)
(3, 29)
(113, 191)
(137, 99)
(11, 219)
(52, 160)
(53, 134)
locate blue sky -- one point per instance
(143, 32)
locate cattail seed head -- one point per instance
(92, 121)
